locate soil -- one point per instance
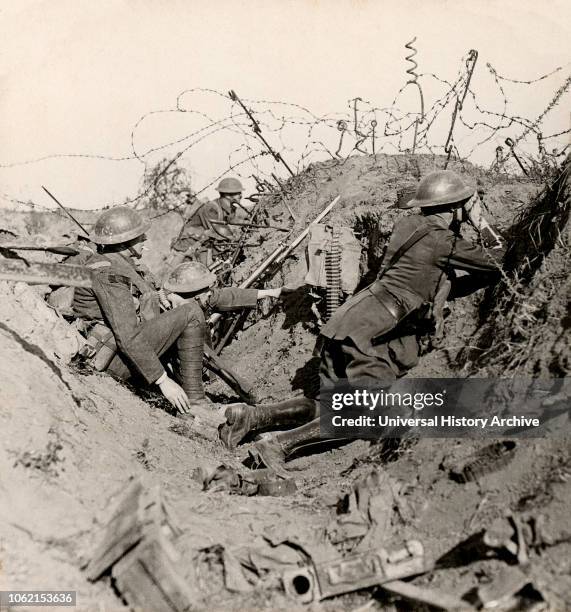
(70, 440)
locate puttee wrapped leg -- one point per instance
(190, 346)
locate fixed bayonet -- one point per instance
(66, 211)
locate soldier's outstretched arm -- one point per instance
(226, 299)
(461, 254)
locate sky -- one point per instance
(76, 77)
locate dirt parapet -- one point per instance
(280, 340)
(26, 314)
(526, 318)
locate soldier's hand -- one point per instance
(293, 288)
(175, 395)
(274, 293)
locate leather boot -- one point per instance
(242, 419)
(273, 450)
(190, 346)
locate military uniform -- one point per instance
(202, 239)
(372, 338)
(126, 300)
(362, 341)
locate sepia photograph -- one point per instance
(285, 305)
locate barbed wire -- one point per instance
(554, 101)
(336, 135)
(533, 81)
(215, 180)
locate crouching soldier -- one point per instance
(371, 338)
(204, 237)
(192, 283)
(125, 328)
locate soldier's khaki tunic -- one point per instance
(362, 341)
(125, 299)
(199, 234)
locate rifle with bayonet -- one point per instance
(241, 242)
(226, 326)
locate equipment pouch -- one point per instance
(101, 346)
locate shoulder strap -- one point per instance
(418, 234)
(193, 209)
(97, 261)
(98, 264)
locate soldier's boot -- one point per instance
(242, 420)
(274, 450)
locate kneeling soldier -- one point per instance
(192, 283)
(372, 337)
(123, 322)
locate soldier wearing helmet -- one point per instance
(204, 237)
(192, 283)
(126, 332)
(372, 337)
(193, 280)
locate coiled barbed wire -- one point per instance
(413, 80)
(278, 116)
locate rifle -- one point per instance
(58, 250)
(274, 260)
(241, 242)
(280, 228)
(45, 273)
(67, 212)
(224, 371)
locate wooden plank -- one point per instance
(432, 597)
(139, 512)
(147, 578)
(123, 531)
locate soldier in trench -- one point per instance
(372, 337)
(204, 237)
(126, 331)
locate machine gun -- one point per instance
(267, 269)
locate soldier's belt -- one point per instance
(395, 308)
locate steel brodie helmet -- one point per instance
(230, 185)
(440, 188)
(189, 277)
(119, 224)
